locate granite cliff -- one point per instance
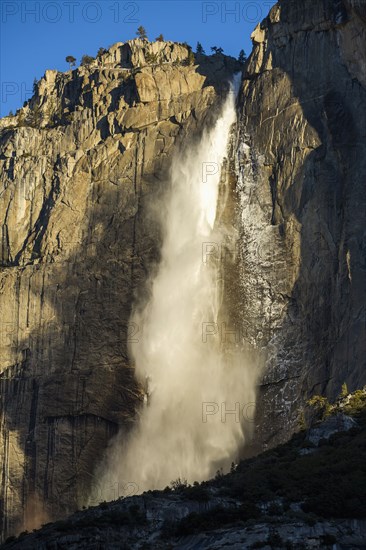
(82, 163)
(301, 165)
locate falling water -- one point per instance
(186, 373)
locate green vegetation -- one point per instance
(35, 117)
(321, 406)
(151, 58)
(178, 484)
(86, 60)
(50, 110)
(354, 404)
(141, 33)
(296, 481)
(302, 420)
(329, 482)
(242, 57)
(199, 49)
(159, 38)
(351, 404)
(70, 59)
(191, 58)
(101, 51)
(21, 119)
(217, 50)
(51, 116)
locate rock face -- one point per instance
(82, 165)
(332, 425)
(301, 160)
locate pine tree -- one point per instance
(242, 57)
(217, 50)
(199, 49)
(70, 59)
(35, 85)
(141, 32)
(159, 38)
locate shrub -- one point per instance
(356, 404)
(321, 406)
(178, 484)
(191, 59)
(86, 60)
(35, 117)
(151, 58)
(344, 390)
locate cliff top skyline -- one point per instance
(36, 36)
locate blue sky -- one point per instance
(38, 35)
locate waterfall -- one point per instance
(192, 420)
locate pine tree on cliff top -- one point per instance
(141, 33)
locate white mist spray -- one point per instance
(188, 374)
